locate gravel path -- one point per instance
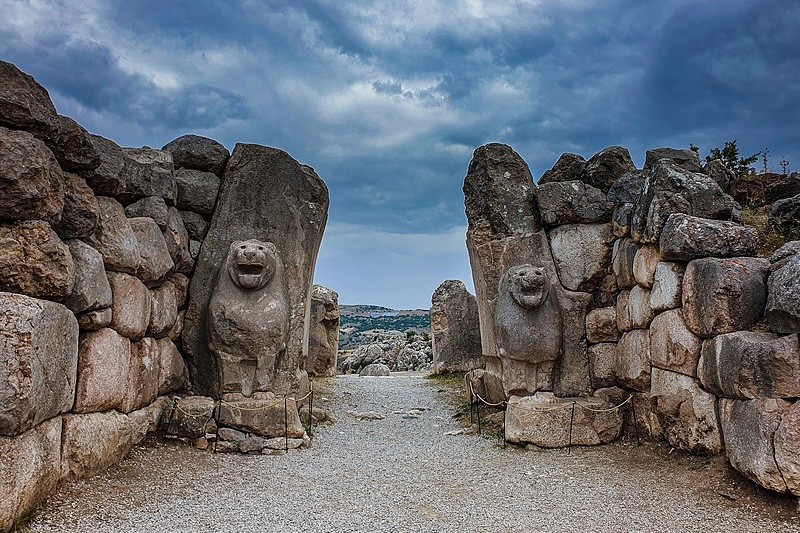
(405, 474)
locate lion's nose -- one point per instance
(250, 254)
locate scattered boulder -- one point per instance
(155, 261)
(39, 353)
(190, 416)
(632, 360)
(34, 261)
(784, 216)
(607, 166)
(548, 422)
(687, 159)
(749, 428)
(783, 301)
(197, 190)
(686, 237)
(273, 417)
(114, 238)
(601, 325)
(198, 153)
(724, 295)
(687, 413)
(374, 370)
(323, 335)
(91, 289)
(582, 254)
(131, 305)
(152, 207)
(34, 190)
(672, 345)
(572, 202)
(751, 364)
(667, 286)
(568, 167)
(103, 368)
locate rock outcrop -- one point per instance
(455, 329)
(323, 335)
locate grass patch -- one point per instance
(769, 238)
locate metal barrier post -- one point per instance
(635, 424)
(311, 411)
(286, 424)
(571, 420)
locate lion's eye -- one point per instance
(261, 248)
(242, 247)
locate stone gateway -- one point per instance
(248, 318)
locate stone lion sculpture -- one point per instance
(249, 317)
(528, 327)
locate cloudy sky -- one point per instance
(388, 99)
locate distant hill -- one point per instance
(360, 318)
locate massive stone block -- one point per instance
(91, 289)
(749, 428)
(602, 359)
(108, 178)
(644, 265)
(153, 207)
(173, 375)
(569, 167)
(163, 309)
(323, 335)
(607, 166)
(783, 301)
(148, 172)
(686, 237)
(39, 360)
(500, 237)
(273, 417)
(639, 309)
(197, 190)
(114, 238)
(131, 305)
(724, 295)
(624, 254)
(155, 261)
(750, 364)
(544, 421)
(582, 253)
(34, 261)
(455, 329)
(572, 202)
(103, 370)
(177, 238)
(33, 190)
(198, 153)
(687, 413)
(632, 360)
(686, 159)
(601, 325)
(144, 374)
(30, 468)
(667, 286)
(81, 212)
(672, 345)
(787, 447)
(269, 196)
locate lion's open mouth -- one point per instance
(250, 269)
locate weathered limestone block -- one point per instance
(197, 190)
(173, 375)
(621, 220)
(374, 370)
(764, 188)
(148, 172)
(103, 369)
(687, 413)
(198, 153)
(194, 249)
(686, 237)
(607, 166)
(623, 256)
(644, 265)
(30, 468)
(196, 226)
(323, 336)
(181, 284)
(602, 359)
(92, 442)
(748, 428)
(39, 356)
(639, 308)
(632, 360)
(717, 171)
(544, 420)
(601, 325)
(114, 238)
(670, 189)
(94, 320)
(784, 215)
(131, 305)
(26, 105)
(568, 167)
(143, 383)
(190, 417)
(163, 309)
(262, 417)
(787, 448)
(672, 345)
(623, 312)
(667, 285)
(108, 178)
(646, 424)
(572, 202)
(81, 212)
(724, 295)
(174, 333)
(582, 253)
(178, 242)
(685, 158)
(455, 329)
(34, 261)
(248, 318)
(528, 324)
(34, 190)
(783, 301)
(751, 364)
(269, 196)
(91, 289)
(155, 261)
(152, 207)
(781, 257)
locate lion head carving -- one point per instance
(528, 285)
(252, 263)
